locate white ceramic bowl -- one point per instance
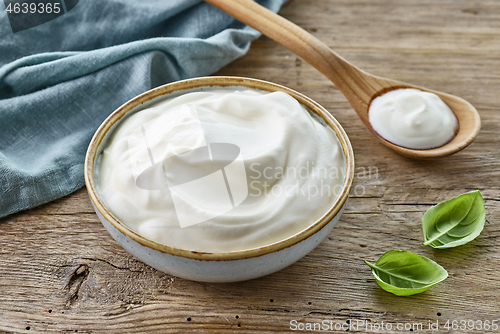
(217, 266)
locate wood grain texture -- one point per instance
(60, 271)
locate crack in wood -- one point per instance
(321, 313)
(71, 213)
(274, 310)
(113, 265)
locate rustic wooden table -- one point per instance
(61, 271)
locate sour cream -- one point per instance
(412, 118)
(220, 170)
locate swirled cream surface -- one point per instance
(412, 118)
(220, 170)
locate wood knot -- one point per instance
(78, 276)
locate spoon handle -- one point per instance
(354, 83)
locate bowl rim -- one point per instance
(213, 82)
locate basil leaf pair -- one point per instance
(448, 224)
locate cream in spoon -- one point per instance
(412, 118)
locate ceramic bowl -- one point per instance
(217, 266)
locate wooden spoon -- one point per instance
(358, 86)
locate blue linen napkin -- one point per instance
(59, 80)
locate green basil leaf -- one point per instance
(405, 273)
(454, 222)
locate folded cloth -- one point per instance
(59, 80)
